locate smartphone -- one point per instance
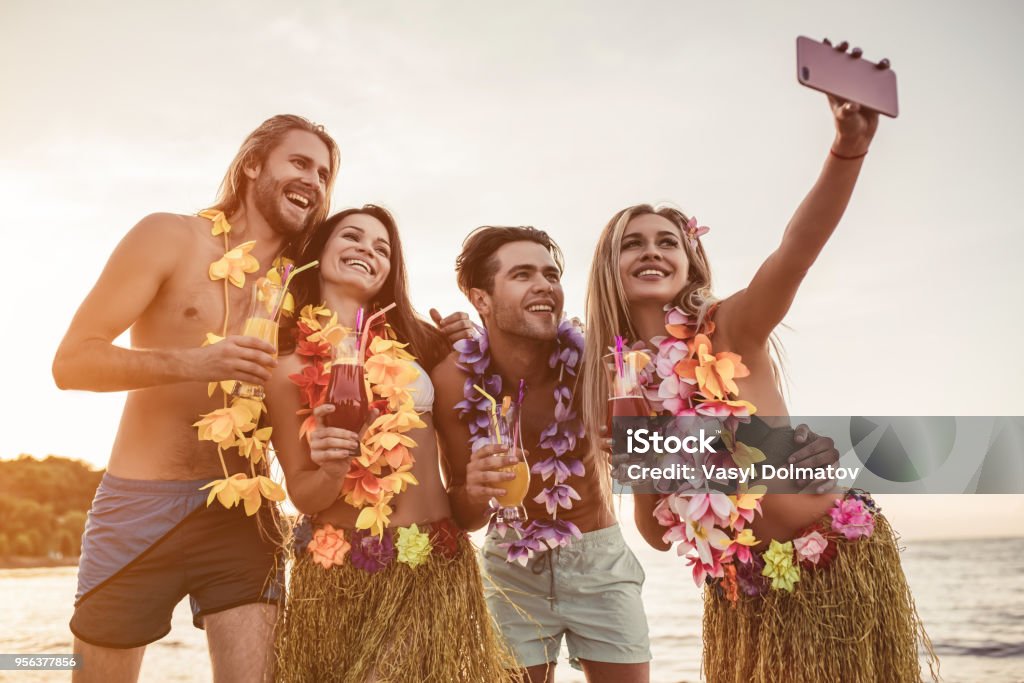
(822, 67)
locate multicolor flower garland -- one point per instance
(711, 528)
(383, 469)
(236, 424)
(560, 437)
(409, 545)
(780, 566)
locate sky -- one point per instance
(460, 114)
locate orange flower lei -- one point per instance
(383, 468)
(236, 424)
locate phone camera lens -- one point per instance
(805, 73)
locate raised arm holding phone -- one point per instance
(812, 566)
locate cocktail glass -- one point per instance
(510, 506)
(262, 323)
(625, 393)
(346, 389)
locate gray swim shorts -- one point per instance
(148, 544)
(588, 592)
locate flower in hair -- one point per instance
(693, 232)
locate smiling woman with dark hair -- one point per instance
(383, 585)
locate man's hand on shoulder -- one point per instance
(455, 326)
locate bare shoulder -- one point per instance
(170, 226)
(286, 366)
(448, 381)
(166, 236)
(726, 314)
(729, 328)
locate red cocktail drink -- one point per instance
(626, 406)
(346, 391)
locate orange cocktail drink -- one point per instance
(515, 489)
(264, 311)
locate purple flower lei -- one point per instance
(560, 437)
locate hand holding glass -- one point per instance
(509, 434)
(346, 390)
(262, 323)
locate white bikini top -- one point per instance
(422, 390)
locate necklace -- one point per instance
(383, 468)
(560, 438)
(236, 423)
(710, 527)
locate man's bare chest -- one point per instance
(189, 306)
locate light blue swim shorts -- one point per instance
(588, 592)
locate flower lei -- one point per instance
(236, 424)
(780, 567)
(711, 528)
(560, 437)
(383, 469)
(409, 545)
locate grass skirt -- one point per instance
(401, 624)
(853, 621)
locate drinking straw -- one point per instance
(287, 277)
(366, 330)
(298, 270)
(359, 320)
(519, 408)
(494, 411)
(619, 366)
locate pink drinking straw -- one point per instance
(366, 330)
(359, 320)
(519, 408)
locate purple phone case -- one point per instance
(824, 68)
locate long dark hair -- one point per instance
(426, 342)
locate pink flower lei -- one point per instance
(710, 527)
(560, 438)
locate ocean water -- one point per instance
(970, 594)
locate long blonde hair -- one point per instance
(608, 314)
(254, 151)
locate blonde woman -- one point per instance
(817, 571)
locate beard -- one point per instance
(513, 320)
(267, 196)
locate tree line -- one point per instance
(43, 505)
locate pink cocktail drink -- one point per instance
(625, 392)
(346, 391)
